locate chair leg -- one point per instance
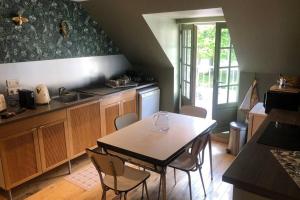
(146, 188)
(190, 185)
(125, 196)
(159, 188)
(202, 181)
(103, 194)
(10, 197)
(143, 190)
(175, 176)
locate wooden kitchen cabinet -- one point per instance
(53, 140)
(32, 146)
(128, 102)
(20, 158)
(109, 113)
(84, 126)
(114, 106)
(256, 117)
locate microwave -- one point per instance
(281, 100)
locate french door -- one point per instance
(187, 63)
(226, 81)
(225, 75)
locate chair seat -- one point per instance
(131, 178)
(184, 162)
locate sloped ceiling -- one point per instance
(266, 34)
(123, 21)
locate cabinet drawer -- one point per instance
(10, 129)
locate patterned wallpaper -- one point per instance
(41, 39)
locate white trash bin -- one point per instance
(237, 137)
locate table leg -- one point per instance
(210, 157)
(164, 184)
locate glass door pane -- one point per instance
(187, 52)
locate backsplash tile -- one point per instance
(40, 38)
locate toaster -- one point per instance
(26, 99)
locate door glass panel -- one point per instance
(185, 38)
(233, 58)
(234, 76)
(188, 78)
(224, 57)
(225, 38)
(184, 56)
(233, 94)
(188, 87)
(188, 56)
(222, 95)
(223, 76)
(189, 39)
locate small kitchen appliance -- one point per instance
(2, 103)
(42, 94)
(26, 99)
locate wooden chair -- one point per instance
(118, 177)
(125, 120)
(192, 160)
(194, 111)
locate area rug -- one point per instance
(86, 178)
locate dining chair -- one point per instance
(125, 120)
(191, 161)
(117, 177)
(193, 111)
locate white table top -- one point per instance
(141, 137)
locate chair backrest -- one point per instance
(193, 111)
(108, 164)
(125, 120)
(199, 145)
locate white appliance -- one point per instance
(148, 101)
(2, 103)
(42, 94)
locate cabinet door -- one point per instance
(129, 105)
(20, 158)
(108, 115)
(84, 126)
(53, 144)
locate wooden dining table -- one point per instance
(143, 144)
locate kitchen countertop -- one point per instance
(257, 171)
(56, 105)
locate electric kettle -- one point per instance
(42, 94)
(2, 103)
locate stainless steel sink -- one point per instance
(72, 97)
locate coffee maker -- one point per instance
(26, 99)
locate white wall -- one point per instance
(70, 73)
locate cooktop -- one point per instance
(281, 135)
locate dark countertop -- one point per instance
(256, 170)
(56, 105)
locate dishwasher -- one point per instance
(148, 101)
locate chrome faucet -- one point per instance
(61, 91)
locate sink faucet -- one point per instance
(61, 91)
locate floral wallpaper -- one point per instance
(42, 39)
